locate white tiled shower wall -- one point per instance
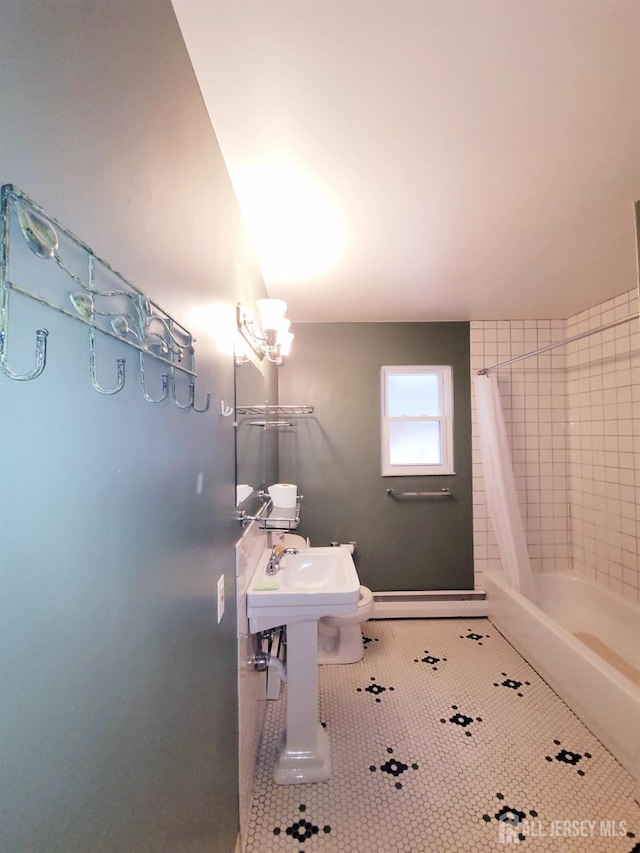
(603, 441)
(534, 412)
(573, 422)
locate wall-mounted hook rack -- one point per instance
(101, 298)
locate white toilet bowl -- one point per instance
(340, 637)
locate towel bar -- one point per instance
(413, 496)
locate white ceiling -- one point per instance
(451, 159)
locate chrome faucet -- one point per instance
(274, 559)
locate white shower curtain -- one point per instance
(502, 498)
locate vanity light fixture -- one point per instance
(275, 340)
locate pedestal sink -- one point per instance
(313, 583)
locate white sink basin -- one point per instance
(313, 583)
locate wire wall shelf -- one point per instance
(271, 517)
(85, 288)
(274, 410)
(267, 411)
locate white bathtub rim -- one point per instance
(571, 577)
(577, 645)
(587, 607)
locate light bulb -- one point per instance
(271, 313)
(284, 344)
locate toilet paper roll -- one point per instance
(283, 494)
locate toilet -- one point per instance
(340, 637)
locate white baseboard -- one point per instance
(438, 604)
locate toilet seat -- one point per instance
(364, 611)
(289, 540)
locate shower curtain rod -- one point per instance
(486, 370)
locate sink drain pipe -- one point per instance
(262, 661)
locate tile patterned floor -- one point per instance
(444, 740)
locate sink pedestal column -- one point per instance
(304, 754)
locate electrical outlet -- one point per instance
(220, 597)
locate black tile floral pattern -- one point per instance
(394, 767)
(460, 719)
(513, 821)
(473, 635)
(565, 756)
(301, 830)
(375, 689)
(512, 684)
(431, 660)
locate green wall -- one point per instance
(118, 712)
(334, 455)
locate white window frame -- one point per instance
(444, 374)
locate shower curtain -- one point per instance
(502, 498)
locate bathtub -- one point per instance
(597, 684)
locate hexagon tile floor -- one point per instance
(444, 740)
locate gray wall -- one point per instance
(334, 455)
(118, 686)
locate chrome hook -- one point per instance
(206, 405)
(41, 357)
(192, 390)
(165, 384)
(92, 368)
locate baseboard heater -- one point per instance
(426, 604)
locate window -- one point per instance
(417, 420)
